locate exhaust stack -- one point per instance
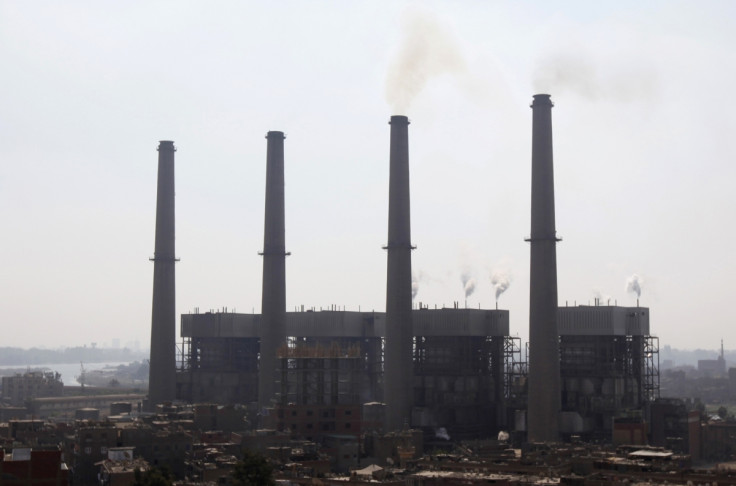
(544, 357)
(273, 303)
(398, 371)
(162, 371)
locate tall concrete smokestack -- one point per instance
(162, 371)
(544, 356)
(398, 370)
(273, 303)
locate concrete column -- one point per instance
(399, 368)
(544, 355)
(162, 373)
(273, 303)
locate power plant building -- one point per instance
(458, 363)
(609, 368)
(320, 372)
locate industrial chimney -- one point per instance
(273, 303)
(398, 370)
(544, 356)
(162, 371)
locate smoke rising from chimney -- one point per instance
(416, 279)
(569, 69)
(468, 283)
(428, 50)
(633, 285)
(600, 297)
(501, 281)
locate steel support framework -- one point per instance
(515, 370)
(459, 384)
(651, 368)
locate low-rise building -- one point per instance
(32, 384)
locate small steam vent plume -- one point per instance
(599, 298)
(633, 285)
(501, 281)
(441, 433)
(468, 284)
(414, 287)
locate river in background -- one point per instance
(68, 371)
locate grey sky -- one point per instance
(644, 158)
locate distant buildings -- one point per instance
(32, 384)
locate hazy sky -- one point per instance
(645, 163)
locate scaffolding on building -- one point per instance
(515, 369)
(651, 368)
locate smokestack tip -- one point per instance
(542, 100)
(166, 145)
(276, 135)
(399, 120)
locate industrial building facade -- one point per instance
(469, 375)
(609, 367)
(452, 369)
(337, 358)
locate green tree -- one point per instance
(253, 470)
(722, 412)
(152, 477)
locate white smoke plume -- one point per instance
(603, 299)
(428, 50)
(633, 285)
(441, 433)
(416, 278)
(468, 283)
(501, 280)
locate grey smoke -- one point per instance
(468, 284)
(633, 285)
(501, 280)
(571, 69)
(414, 288)
(603, 299)
(428, 50)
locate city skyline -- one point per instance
(642, 156)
